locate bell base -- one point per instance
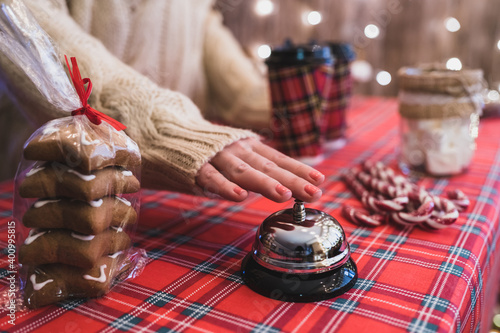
(289, 287)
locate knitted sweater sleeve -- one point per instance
(239, 91)
(175, 140)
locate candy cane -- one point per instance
(444, 214)
(401, 185)
(380, 171)
(378, 185)
(369, 200)
(358, 217)
(354, 184)
(394, 198)
(460, 200)
(418, 215)
(386, 205)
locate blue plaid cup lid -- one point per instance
(343, 52)
(289, 54)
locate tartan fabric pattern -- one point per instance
(410, 280)
(309, 106)
(296, 94)
(336, 96)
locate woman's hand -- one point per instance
(250, 165)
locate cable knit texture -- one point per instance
(148, 37)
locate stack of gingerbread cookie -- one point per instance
(81, 185)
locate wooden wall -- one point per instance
(412, 31)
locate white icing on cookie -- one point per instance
(131, 145)
(32, 236)
(33, 171)
(82, 237)
(84, 177)
(101, 278)
(125, 201)
(38, 286)
(114, 255)
(96, 203)
(87, 142)
(127, 173)
(41, 203)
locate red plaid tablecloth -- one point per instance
(409, 279)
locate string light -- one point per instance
(264, 7)
(264, 51)
(314, 17)
(361, 70)
(454, 64)
(452, 24)
(493, 95)
(383, 78)
(496, 320)
(372, 31)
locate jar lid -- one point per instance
(431, 91)
(461, 109)
(289, 55)
(437, 79)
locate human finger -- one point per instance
(212, 181)
(244, 175)
(301, 188)
(285, 162)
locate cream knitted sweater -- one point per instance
(131, 49)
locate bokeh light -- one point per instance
(264, 51)
(314, 17)
(383, 78)
(496, 320)
(452, 24)
(361, 70)
(372, 31)
(454, 64)
(493, 95)
(264, 7)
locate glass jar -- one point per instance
(439, 111)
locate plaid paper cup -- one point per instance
(297, 90)
(338, 93)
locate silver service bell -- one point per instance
(300, 255)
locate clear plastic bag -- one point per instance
(77, 187)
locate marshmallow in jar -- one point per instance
(440, 112)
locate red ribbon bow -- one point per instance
(93, 115)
